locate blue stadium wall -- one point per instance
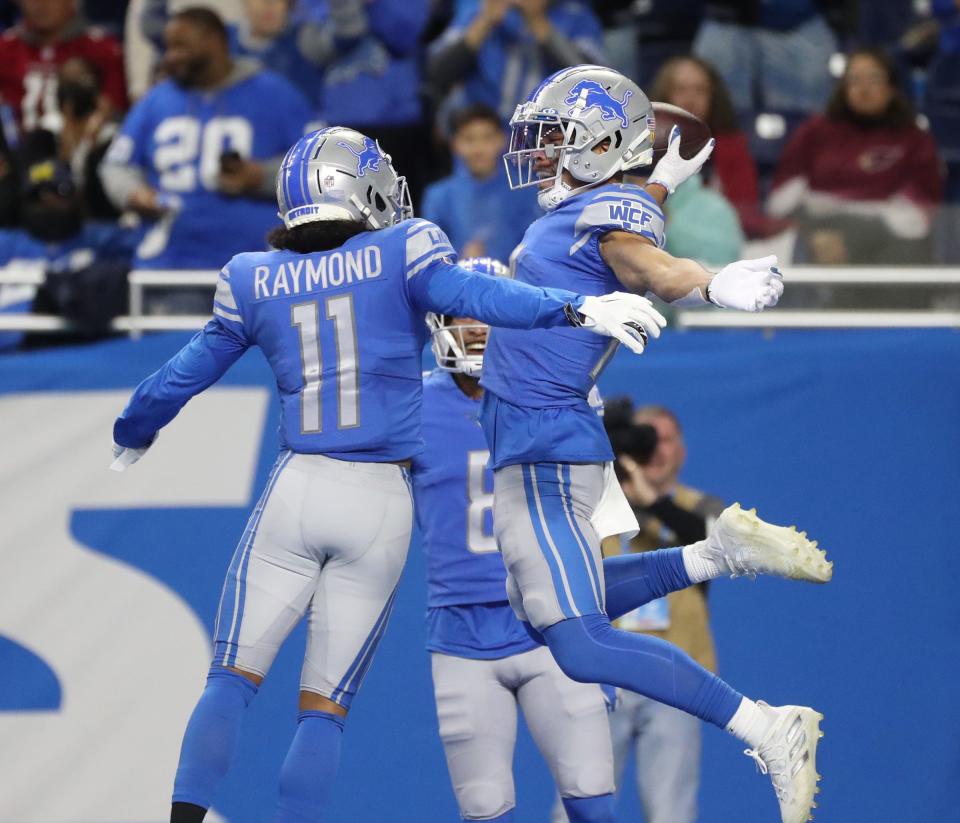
(109, 583)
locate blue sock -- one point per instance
(590, 650)
(630, 580)
(590, 809)
(309, 768)
(211, 737)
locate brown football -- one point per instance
(694, 133)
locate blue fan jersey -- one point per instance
(535, 408)
(176, 136)
(468, 614)
(343, 331)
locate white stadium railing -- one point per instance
(136, 322)
(817, 319)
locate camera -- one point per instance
(638, 441)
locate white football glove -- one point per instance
(747, 285)
(123, 456)
(629, 318)
(672, 170)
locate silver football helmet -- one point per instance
(565, 118)
(459, 347)
(340, 174)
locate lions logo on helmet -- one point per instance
(588, 94)
(567, 117)
(458, 347)
(368, 157)
(340, 174)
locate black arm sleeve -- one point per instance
(689, 527)
(449, 64)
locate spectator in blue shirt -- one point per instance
(369, 51)
(266, 34)
(474, 205)
(500, 50)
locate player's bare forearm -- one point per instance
(641, 267)
(657, 191)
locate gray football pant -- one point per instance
(477, 704)
(328, 539)
(667, 746)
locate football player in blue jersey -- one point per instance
(573, 139)
(337, 308)
(485, 665)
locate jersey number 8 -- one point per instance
(480, 502)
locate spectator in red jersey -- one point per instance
(694, 85)
(49, 33)
(863, 179)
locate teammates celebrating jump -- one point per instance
(329, 535)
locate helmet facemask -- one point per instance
(451, 348)
(459, 346)
(383, 209)
(537, 134)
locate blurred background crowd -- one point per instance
(147, 135)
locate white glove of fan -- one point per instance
(672, 170)
(123, 456)
(747, 285)
(629, 318)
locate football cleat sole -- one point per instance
(778, 550)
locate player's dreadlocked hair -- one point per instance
(318, 235)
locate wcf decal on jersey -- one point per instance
(629, 215)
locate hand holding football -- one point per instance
(694, 133)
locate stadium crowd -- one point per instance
(147, 135)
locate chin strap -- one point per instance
(554, 196)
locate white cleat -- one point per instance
(748, 546)
(788, 754)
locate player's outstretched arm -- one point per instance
(158, 399)
(445, 288)
(747, 285)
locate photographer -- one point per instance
(650, 452)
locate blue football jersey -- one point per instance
(176, 136)
(468, 613)
(538, 382)
(453, 490)
(343, 332)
